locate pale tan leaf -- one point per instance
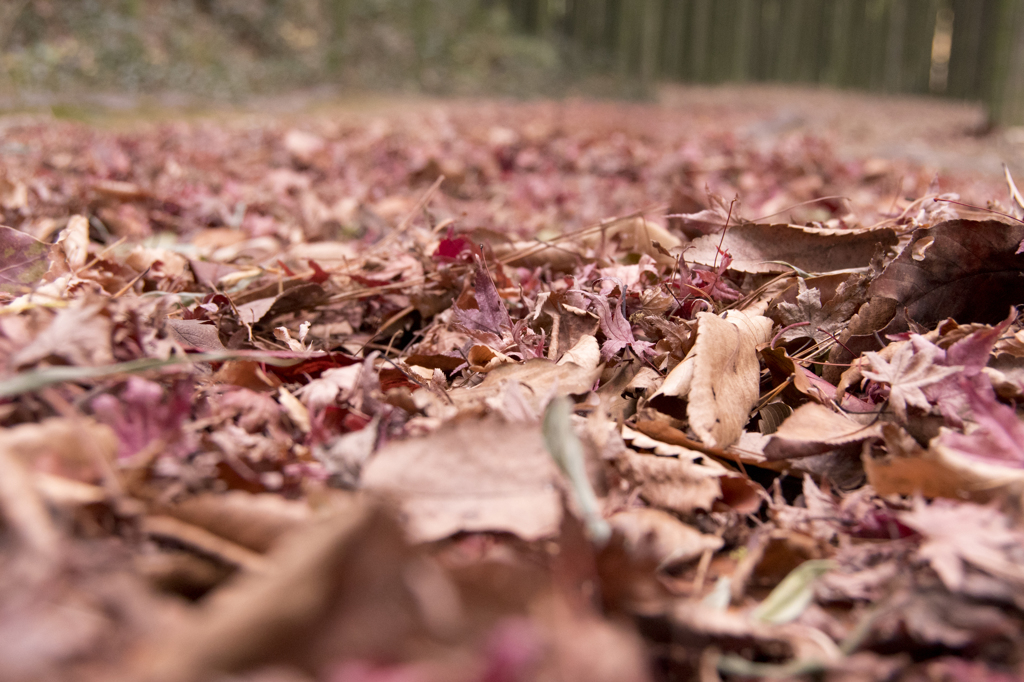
(726, 375)
(586, 353)
(662, 536)
(203, 541)
(74, 241)
(485, 475)
(252, 521)
(23, 510)
(675, 484)
(540, 379)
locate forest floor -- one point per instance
(387, 389)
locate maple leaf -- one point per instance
(913, 367)
(999, 436)
(616, 329)
(972, 353)
(490, 314)
(806, 309)
(826, 321)
(960, 534)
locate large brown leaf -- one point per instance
(754, 248)
(485, 475)
(964, 269)
(725, 375)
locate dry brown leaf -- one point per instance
(813, 429)
(195, 334)
(681, 484)
(52, 461)
(662, 537)
(73, 240)
(586, 353)
(337, 590)
(541, 379)
(753, 247)
(23, 509)
(726, 375)
(909, 469)
(253, 521)
(84, 322)
(964, 269)
(484, 475)
(203, 542)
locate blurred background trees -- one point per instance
(969, 49)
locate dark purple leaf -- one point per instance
(490, 314)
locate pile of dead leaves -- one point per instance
(389, 402)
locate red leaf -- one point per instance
(319, 274)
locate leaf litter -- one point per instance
(501, 394)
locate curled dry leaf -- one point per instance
(726, 375)
(677, 479)
(203, 542)
(541, 380)
(813, 429)
(663, 537)
(252, 521)
(336, 591)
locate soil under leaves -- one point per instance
(495, 392)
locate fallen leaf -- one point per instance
(23, 260)
(541, 379)
(684, 483)
(913, 367)
(961, 534)
(665, 539)
(813, 429)
(964, 269)
(999, 437)
(479, 475)
(774, 248)
(252, 521)
(726, 375)
(195, 334)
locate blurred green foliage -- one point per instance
(232, 48)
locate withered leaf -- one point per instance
(196, 334)
(725, 375)
(964, 269)
(253, 521)
(913, 367)
(540, 379)
(483, 475)
(753, 247)
(23, 260)
(666, 539)
(813, 429)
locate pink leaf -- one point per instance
(23, 260)
(999, 437)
